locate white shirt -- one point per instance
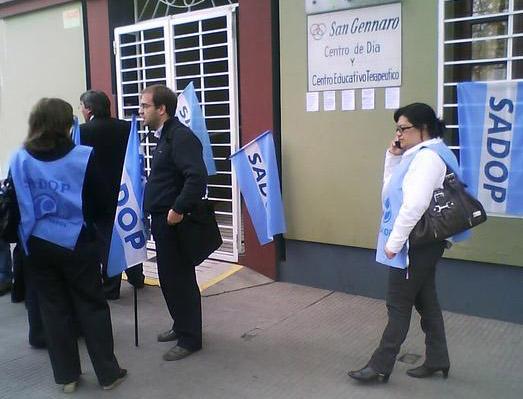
(426, 173)
(158, 132)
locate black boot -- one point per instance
(426, 371)
(5, 287)
(368, 374)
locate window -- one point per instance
(480, 40)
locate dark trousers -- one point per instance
(418, 290)
(178, 283)
(34, 316)
(112, 285)
(18, 291)
(68, 283)
(24, 289)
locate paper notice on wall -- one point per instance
(392, 98)
(329, 100)
(367, 99)
(313, 102)
(71, 18)
(348, 102)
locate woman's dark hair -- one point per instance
(422, 116)
(49, 124)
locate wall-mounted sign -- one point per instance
(355, 48)
(71, 18)
(317, 6)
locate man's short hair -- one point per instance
(162, 95)
(97, 102)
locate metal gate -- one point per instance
(200, 47)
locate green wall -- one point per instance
(41, 55)
(332, 162)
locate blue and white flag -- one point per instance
(128, 242)
(75, 135)
(257, 174)
(188, 111)
(491, 144)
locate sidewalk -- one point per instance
(264, 339)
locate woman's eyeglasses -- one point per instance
(403, 128)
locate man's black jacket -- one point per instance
(108, 137)
(178, 174)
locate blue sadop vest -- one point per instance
(393, 199)
(50, 196)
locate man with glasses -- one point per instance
(175, 185)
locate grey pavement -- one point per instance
(265, 339)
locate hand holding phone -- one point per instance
(395, 147)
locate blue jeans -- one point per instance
(5, 262)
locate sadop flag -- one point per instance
(257, 174)
(188, 111)
(75, 135)
(491, 144)
(128, 242)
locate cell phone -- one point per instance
(397, 144)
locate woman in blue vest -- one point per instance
(60, 197)
(415, 165)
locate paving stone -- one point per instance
(271, 340)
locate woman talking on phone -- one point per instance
(415, 165)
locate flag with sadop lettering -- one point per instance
(188, 111)
(257, 174)
(128, 241)
(491, 144)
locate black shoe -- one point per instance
(121, 376)
(167, 336)
(426, 371)
(368, 374)
(37, 342)
(138, 285)
(112, 296)
(5, 287)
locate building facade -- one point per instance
(325, 76)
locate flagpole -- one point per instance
(135, 316)
(123, 253)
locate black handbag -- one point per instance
(452, 210)
(9, 213)
(198, 233)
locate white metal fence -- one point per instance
(200, 47)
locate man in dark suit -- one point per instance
(108, 137)
(175, 186)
